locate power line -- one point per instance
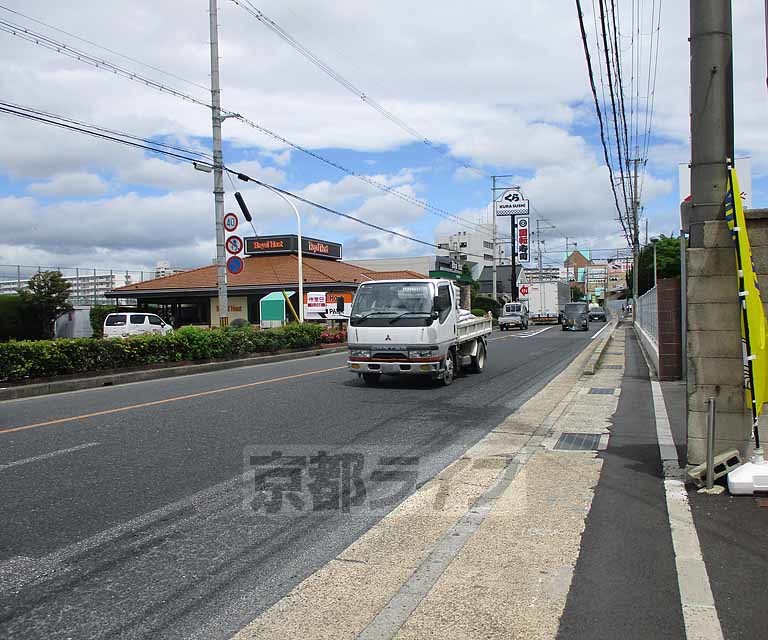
(259, 15)
(379, 185)
(103, 48)
(82, 56)
(101, 129)
(597, 109)
(147, 145)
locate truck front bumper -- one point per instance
(396, 368)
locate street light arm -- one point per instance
(301, 257)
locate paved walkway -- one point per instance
(525, 538)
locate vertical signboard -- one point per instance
(522, 238)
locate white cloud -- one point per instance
(519, 106)
(70, 184)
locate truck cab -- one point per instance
(413, 327)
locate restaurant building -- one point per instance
(270, 267)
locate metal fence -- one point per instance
(648, 315)
(88, 286)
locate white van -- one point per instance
(122, 325)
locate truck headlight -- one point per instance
(360, 353)
(420, 353)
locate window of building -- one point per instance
(488, 256)
(462, 244)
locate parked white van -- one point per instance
(122, 325)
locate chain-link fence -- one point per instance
(648, 315)
(88, 286)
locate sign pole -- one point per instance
(513, 278)
(495, 248)
(218, 166)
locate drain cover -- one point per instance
(610, 366)
(608, 391)
(578, 442)
(612, 353)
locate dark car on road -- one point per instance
(597, 313)
(576, 317)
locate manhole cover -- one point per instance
(608, 391)
(578, 442)
(611, 366)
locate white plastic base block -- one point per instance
(749, 478)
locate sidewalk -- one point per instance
(554, 525)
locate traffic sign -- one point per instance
(230, 222)
(524, 290)
(235, 265)
(234, 244)
(512, 203)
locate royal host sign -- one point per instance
(264, 245)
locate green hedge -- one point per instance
(486, 303)
(43, 358)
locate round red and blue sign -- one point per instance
(230, 222)
(235, 265)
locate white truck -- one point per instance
(414, 327)
(547, 299)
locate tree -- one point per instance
(667, 263)
(43, 300)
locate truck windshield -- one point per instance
(575, 308)
(392, 303)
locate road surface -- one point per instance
(123, 507)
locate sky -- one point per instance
(498, 86)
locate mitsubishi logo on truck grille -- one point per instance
(388, 339)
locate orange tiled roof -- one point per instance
(265, 271)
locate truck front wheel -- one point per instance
(478, 361)
(450, 369)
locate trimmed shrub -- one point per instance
(24, 360)
(479, 312)
(486, 303)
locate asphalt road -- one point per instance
(124, 510)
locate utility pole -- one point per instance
(218, 166)
(635, 243)
(541, 270)
(495, 248)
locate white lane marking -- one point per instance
(698, 603)
(599, 332)
(520, 335)
(45, 456)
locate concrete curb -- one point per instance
(594, 359)
(77, 384)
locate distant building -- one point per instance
(472, 247)
(87, 286)
(503, 280)
(164, 268)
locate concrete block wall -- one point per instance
(670, 333)
(715, 366)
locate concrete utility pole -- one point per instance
(713, 333)
(218, 166)
(635, 244)
(711, 108)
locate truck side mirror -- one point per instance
(340, 304)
